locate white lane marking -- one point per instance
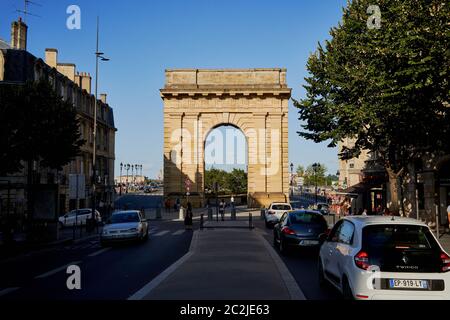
(179, 232)
(4, 292)
(159, 234)
(52, 272)
(99, 252)
(151, 231)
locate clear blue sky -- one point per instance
(143, 38)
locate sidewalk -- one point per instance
(225, 264)
(445, 242)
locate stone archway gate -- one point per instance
(253, 100)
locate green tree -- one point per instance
(38, 126)
(300, 171)
(237, 181)
(385, 88)
(311, 175)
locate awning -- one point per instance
(361, 188)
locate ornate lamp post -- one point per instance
(127, 167)
(316, 167)
(120, 178)
(292, 179)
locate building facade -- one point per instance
(18, 66)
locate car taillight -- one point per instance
(445, 262)
(362, 260)
(288, 231)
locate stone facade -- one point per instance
(18, 66)
(253, 100)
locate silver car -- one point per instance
(125, 226)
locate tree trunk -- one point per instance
(394, 188)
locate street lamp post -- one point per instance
(292, 179)
(316, 167)
(98, 55)
(127, 166)
(120, 179)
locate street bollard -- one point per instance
(210, 214)
(158, 214)
(233, 214)
(181, 214)
(250, 221)
(201, 222)
(263, 213)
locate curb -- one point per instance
(291, 285)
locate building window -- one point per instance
(352, 166)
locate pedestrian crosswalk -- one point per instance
(154, 232)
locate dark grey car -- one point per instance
(299, 229)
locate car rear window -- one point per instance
(398, 237)
(402, 248)
(125, 217)
(306, 218)
(281, 207)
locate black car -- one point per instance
(299, 229)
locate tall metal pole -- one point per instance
(94, 152)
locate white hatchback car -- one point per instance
(78, 217)
(275, 211)
(384, 258)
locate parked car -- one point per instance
(299, 229)
(323, 208)
(275, 212)
(381, 258)
(125, 226)
(78, 217)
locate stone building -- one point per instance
(426, 186)
(18, 66)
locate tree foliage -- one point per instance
(36, 125)
(385, 88)
(234, 182)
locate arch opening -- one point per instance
(226, 164)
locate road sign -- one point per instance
(77, 186)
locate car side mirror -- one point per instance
(322, 238)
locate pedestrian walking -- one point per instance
(188, 217)
(232, 202)
(177, 204)
(364, 213)
(222, 209)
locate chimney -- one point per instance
(19, 35)
(51, 57)
(85, 79)
(103, 97)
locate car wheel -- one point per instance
(282, 247)
(321, 275)
(267, 223)
(146, 236)
(275, 242)
(346, 290)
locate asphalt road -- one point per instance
(118, 272)
(303, 266)
(112, 273)
(139, 201)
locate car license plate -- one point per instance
(309, 242)
(408, 284)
